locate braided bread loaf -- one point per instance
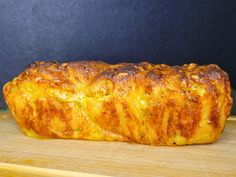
(142, 103)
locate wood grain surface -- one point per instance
(23, 156)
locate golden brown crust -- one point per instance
(142, 103)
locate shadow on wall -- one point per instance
(234, 102)
(2, 105)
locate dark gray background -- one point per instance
(161, 31)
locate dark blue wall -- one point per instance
(161, 31)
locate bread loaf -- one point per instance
(140, 103)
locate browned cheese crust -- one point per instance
(142, 103)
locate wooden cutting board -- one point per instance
(29, 157)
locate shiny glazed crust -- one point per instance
(142, 103)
